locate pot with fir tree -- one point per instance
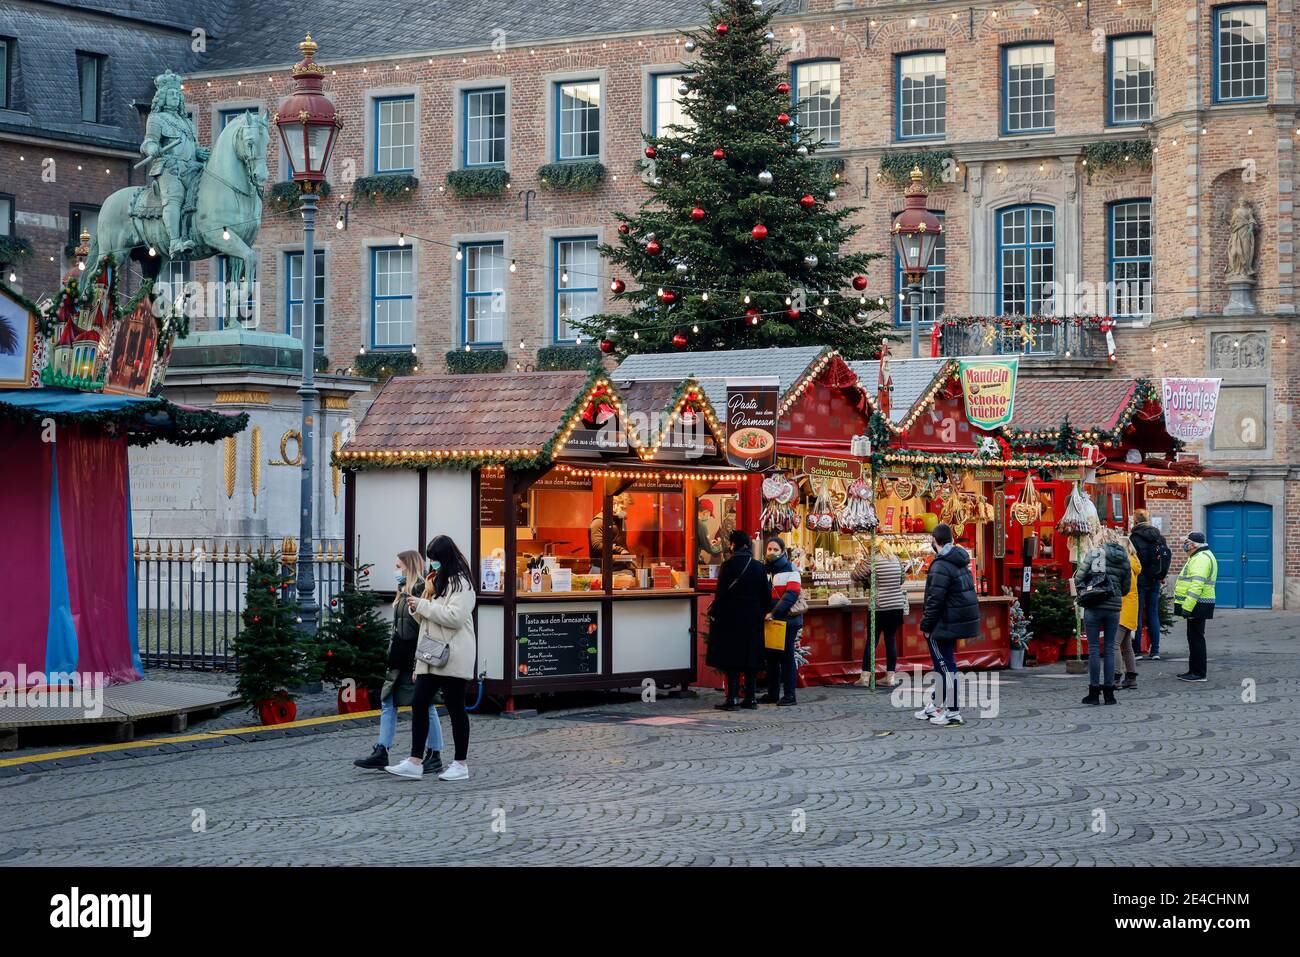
(269, 645)
(352, 644)
(752, 216)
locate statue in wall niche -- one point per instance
(1242, 226)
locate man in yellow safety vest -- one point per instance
(1194, 600)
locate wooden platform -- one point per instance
(123, 706)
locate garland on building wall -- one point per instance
(478, 183)
(14, 249)
(571, 177)
(383, 365)
(1118, 155)
(389, 186)
(896, 167)
(476, 361)
(287, 197)
(568, 358)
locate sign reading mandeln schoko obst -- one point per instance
(821, 466)
(751, 422)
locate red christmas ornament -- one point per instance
(721, 28)
(668, 297)
(617, 286)
(624, 228)
(270, 589)
(606, 346)
(783, 118)
(697, 214)
(650, 152)
(792, 312)
(783, 87)
(807, 201)
(752, 315)
(653, 248)
(859, 283)
(679, 341)
(256, 619)
(329, 653)
(759, 232)
(718, 154)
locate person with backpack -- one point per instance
(1194, 600)
(1155, 557)
(735, 641)
(1101, 582)
(951, 613)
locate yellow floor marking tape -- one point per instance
(181, 739)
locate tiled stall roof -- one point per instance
(1043, 404)
(714, 368)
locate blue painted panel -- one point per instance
(1241, 537)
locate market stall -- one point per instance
(574, 499)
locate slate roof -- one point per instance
(466, 413)
(713, 368)
(911, 378)
(347, 29)
(653, 397)
(1043, 404)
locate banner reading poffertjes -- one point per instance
(1189, 407)
(751, 422)
(989, 389)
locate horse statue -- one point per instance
(226, 217)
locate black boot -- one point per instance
(1130, 681)
(728, 705)
(377, 761)
(432, 762)
(1108, 694)
(1093, 696)
(749, 704)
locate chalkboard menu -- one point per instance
(556, 643)
(491, 500)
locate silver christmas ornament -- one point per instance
(690, 46)
(659, 182)
(757, 4)
(810, 261)
(821, 238)
(649, 237)
(686, 157)
(802, 150)
(765, 178)
(683, 89)
(831, 194)
(683, 269)
(731, 109)
(769, 36)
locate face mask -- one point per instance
(399, 578)
(434, 566)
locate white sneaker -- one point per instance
(456, 771)
(407, 769)
(864, 681)
(926, 713)
(948, 719)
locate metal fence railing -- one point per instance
(191, 593)
(1068, 340)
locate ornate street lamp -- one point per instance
(916, 232)
(308, 126)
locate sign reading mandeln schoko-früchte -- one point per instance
(751, 422)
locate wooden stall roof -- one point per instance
(712, 369)
(652, 404)
(1090, 404)
(913, 379)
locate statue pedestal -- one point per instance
(245, 489)
(1241, 298)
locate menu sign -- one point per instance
(999, 524)
(556, 643)
(608, 437)
(819, 466)
(989, 389)
(491, 500)
(1189, 407)
(751, 422)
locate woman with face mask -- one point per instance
(399, 686)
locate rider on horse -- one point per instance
(172, 144)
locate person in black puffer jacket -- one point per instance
(952, 612)
(1102, 619)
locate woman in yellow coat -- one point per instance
(1128, 620)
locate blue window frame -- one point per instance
(394, 134)
(666, 103)
(392, 297)
(575, 287)
(484, 116)
(815, 87)
(90, 79)
(1026, 269)
(921, 82)
(1130, 79)
(483, 293)
(577, 120)
(932, 287)
(1128, 258)
(293, 296)
(1029, 88)
(225, 116)
(6, 68)
(1240, 52)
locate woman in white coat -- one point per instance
(444, 656)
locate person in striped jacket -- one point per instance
(786, 591)
(891, 609)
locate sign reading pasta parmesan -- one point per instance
(989, 388)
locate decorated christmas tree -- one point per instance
(269, 645)
(352, 643)
(741, 242)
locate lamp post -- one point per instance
(916, 232)
(308, 126)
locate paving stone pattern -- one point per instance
(1184, 774)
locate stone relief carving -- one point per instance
(1230, 350)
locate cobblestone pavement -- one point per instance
(1176, 774)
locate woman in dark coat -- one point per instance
(736, 621)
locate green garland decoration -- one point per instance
(186, 426)
(14, 249)
(322, 362)
(572, 177)
(896, 166)
(832, 164)
(568, 358)
(389, 186)
(878, 431)
(287, 197)
(478, 183)
(969, 461)
(476, 361)
(1066, 443)
(1118, 155)
(384, 365)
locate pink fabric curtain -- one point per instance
(24, 547)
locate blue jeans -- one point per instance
(1104, 624)
(388, 725)
(781, 672)
(1149, 615)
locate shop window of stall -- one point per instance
(558, 535)
(492, 531)
(716, 517)
(656, 535)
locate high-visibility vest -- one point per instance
(1195, 585)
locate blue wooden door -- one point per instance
(1241, 537)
